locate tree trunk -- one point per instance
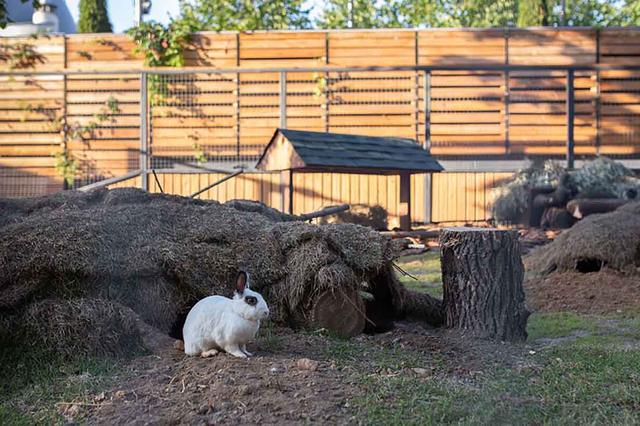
(482, 275)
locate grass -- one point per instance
(269, 339)
(426, 268)
(558, 324)
(591, 378)
(594, 380)
(32, 384)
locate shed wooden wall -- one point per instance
(456, 197)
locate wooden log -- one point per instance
(534, 212)
(411, 234)
(325, 212)
(482, 274)
(557, 218)
(580, 208)
(341, 312)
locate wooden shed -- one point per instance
(291, 151)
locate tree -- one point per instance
(220, 15)
(631, 12)
(94, 17)
(352, 14)
(588, 13)
(478, 13)
(533, 13)
(595, 13)
(409, 13)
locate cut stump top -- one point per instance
(475, 229)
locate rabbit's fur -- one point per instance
(218, 323)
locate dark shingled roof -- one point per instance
(333, 150)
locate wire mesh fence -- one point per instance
(91, 127)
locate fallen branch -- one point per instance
(110, 181)
(325, 212)
(224, 179)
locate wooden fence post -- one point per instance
(283, 100)
(482, 276)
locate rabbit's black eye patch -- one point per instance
(251, 300)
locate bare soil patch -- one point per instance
(600, 292)
(276, 387)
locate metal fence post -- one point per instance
(570, 120)
(144, 181)
(283, 100)
(427, 110)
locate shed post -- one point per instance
(405, 201)
(286, 191)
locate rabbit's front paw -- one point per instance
(235, 351)
(243, 348)
(209, 353)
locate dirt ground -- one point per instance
(292, 378)
(413, 374)
(600, 292)
(308, 378)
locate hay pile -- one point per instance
(599, 178)
(602, 240)
(375, 217)
(76, 257)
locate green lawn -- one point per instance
(426, 268)
(35, 389)
(579, 370)
(593, 379)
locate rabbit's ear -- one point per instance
(241, 282)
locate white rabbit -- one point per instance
(218, 323)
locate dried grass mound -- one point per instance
(55, 325)
(159, 254)
(375, 217)
(611, 240)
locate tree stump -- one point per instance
(482, 274)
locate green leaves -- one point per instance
(66, 167)
(94, 17)
(161, 45)
(245, 15)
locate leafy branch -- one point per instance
(20, 56)
(65, 164)
(162, 46)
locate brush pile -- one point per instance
(69, 261)
(600, 179)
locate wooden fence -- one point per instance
(472, 114)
